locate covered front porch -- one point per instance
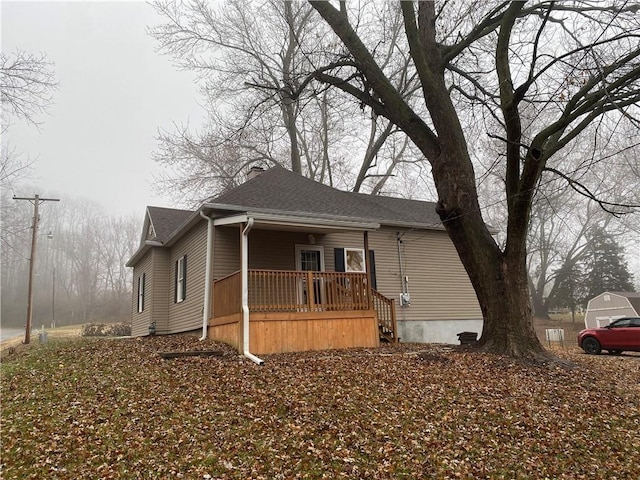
(266, 306)
(292, 311)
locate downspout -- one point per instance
(244, 264)
(206, 311)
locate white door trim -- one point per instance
(316, 248)
(302, 284)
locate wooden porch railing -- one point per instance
(386, 311)
(227, 295)
(304, 291)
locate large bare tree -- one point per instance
(506, 63)
(251, 57)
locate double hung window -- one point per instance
(180, 292)
(141, 286)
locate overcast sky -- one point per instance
(115, 93)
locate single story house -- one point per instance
(609, 306)
(283, 263)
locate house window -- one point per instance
(354, 257)
(180, 292)
(607, 298)
(141, 285)
(354, 260)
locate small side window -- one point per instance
(141, 288)
(180, 292)
(607, 298)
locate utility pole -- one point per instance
(53, 299)
(36, 200)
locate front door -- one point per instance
(310, 258)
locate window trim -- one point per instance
(316, 248)
(141, 292)
(180, 290)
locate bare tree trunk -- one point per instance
(288, 103)
(289, 117)
(499, 278)
(540, 305)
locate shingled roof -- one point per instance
(281, 190)
(166, 220)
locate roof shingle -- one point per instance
(281, 190)
(166, 220)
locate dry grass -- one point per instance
(565, 322)
(96, 408)
(15, 346)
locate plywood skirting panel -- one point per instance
(278, 333)
(228, 332)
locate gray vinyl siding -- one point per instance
(226, 251)
(268, 250)
(273, 250)
(161, 293)
(140, 321)
(438, 283)
(439, 286)
(187, 315)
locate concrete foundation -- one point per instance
(436, 331)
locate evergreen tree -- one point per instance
(570, 290)
(605, 267)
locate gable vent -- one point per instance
(254, 172)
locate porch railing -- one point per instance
(305, 291)
(227, 295)
(291, 291)
(386, 311)
(296, 291)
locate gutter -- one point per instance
(244, 263)
(206, 311)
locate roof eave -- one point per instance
(141, 252)
(257, 211)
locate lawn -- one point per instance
(106, 408)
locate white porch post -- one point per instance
(367, 263)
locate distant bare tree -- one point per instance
(26, 84)
(85, 258)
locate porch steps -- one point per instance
(386, 334)
(386, 312)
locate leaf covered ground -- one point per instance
(104, 408)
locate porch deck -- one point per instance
(302, 310)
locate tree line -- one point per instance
(80, 263)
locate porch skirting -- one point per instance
(280, 332)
